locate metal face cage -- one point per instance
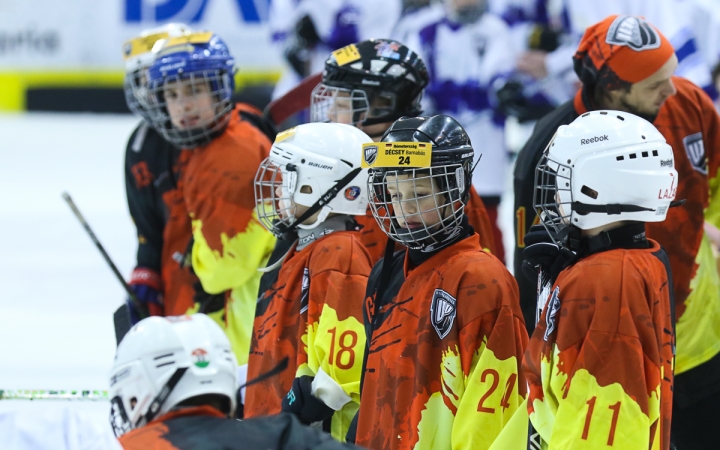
(553, 197)
(419, 208)
(338, 105)
(274, 188)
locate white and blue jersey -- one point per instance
(464, 62)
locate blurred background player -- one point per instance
(600, 362)
(627, 64)
(191, 83)
(311, 300)
(467, 51)
(444, 327)
(151, 172)
(173, 386)
(305, 31)
(371, 84)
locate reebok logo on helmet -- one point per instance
(634, 33)
(592, 140)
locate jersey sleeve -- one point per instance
(598, 381)
(335, 338)
(230, 244)
(491, 349)
(145, 215)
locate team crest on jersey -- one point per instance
(442, 312)
(695, 149)
(370, 154)
(633, 32)
(550, 316)
(305, 292)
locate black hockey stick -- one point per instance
(121, 316)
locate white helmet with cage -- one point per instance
(139, 54)
(163, 361)
(307, 165)
(605, 167)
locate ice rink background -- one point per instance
(57, 295)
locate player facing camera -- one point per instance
(191, 83)
(419, 180)
(605, 168)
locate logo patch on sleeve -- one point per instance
(695, 149)
(305, 292)
(553, 309)
(442, 312)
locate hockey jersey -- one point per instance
(153, 169)
(311, 313)
(229, 243)
(464, 62)
(445, 347)
(691, 126)
(600, 362)
(205, 428)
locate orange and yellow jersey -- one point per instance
(443, 361)
(230, 244)
(691, 125)
(600, 361)
(374, 239)
(312, 314)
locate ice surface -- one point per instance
(57, 295)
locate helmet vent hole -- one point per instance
(620, 158)
(633, 155)
(586, 114)
(621, 118)
(133, 403)
(655, 152)
(306, 189)
(645, 154)
(347, 162)
(604, 113)
(165, 364)
(592, 193)
(302, 161)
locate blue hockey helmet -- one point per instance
(191, 84)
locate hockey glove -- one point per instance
(146, 285)
(541, 251)
(300, 401)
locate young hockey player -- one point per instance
(467, 51)
(152, 166)
(191, 83)
(173, 386)
(444, 328)
(310, 307)
(371, 84)
(600, 362)
(626, 64)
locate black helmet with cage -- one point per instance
(419, 180)
(370, 82)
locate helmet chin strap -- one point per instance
(161, 397)
(324, 212)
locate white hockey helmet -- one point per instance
(605, 167)
(163, 361)
(139, 54)
(308, 163)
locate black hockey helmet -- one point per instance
(381, 79)
(449, 172)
